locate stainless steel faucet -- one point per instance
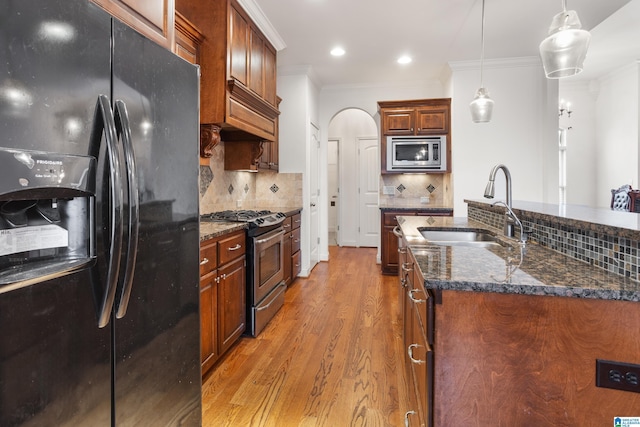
(489, 193)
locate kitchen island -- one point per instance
(513, 334)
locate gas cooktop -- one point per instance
(254, 218)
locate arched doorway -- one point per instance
(353, 175)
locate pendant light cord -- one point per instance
(482, 46)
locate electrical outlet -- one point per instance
(618, 375)
(388, 190)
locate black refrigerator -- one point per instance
(99, 239)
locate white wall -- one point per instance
(298, 111)
(617, 132)
(582, 162)
(522, 133)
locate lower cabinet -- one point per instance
(222, 295)
(389, 240)
(418, 340)
(291, 263)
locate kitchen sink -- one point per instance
(462, 237)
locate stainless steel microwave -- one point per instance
(416, 153)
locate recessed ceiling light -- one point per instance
(404, 59)
(337, 51)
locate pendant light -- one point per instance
(564, 50)
(482, 105)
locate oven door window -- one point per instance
(269, 263)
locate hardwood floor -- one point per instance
(331, 357)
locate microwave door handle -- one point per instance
(124, 129)
(104, 123)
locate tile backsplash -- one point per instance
(411, 187)
(602, 248)
(223, 190)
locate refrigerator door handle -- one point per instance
(104, 123)
(124, 130)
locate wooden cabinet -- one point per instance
(270, 149)
(389, 240)
(238, 74)
(187, 40)
(154, 19)
(222, 295)
(413, 118)
(292, 266)
(418, 323)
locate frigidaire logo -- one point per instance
(49, 162)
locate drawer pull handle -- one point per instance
(410, 353)
(297, 221)
(406, 417)
(235, 248)
(204, 261)
(407, 267)
(417, 301)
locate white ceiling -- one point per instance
(434, 32)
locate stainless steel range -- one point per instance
(265, 267)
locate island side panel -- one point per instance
(521, 360)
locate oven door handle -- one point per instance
(270, 237)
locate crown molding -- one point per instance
(260, 19)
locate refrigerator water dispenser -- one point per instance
(46, 216)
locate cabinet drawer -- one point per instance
(295, 240)
(295, 221)
(208, 257)
(231, 247)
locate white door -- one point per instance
(369, 179)
(314, 197)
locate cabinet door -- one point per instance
(287, 261)
(256, 63)
(296, 265)
(432, 120)
(270, 66)
(398, 122)
(231, 303)
(238, 46)
(154, 19)
(208, 322)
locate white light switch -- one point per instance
(389, 190)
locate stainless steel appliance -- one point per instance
(99, 231)
(265, 263)
(416, 153)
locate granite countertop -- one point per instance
(209, 230)
(536, 270)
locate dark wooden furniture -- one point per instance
(414, 117)
(238, 81)
(222, 295)
(154, 19)
(389, 240)
(292, 267)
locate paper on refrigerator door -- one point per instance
(16, 240)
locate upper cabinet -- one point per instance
(415, 117)
(238, 71)
(154, 19)
(187, 40)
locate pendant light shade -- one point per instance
(482, 105)
(564, 50)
